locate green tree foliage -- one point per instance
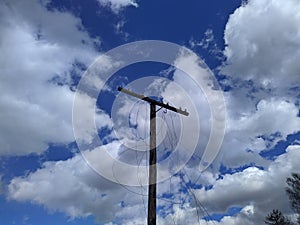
(276, 218)
(293, 192)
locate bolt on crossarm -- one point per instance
(152, 159)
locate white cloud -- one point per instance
(207, 42)
(257, 191)
(247, 130)
(267, 54)
(271, 116)
(37, 46)
(248, 120)
(117, 5)
(71, 187)
(263, 43)
(205, 101)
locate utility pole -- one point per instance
(152, 159)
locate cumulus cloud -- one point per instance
(38, 52)
(256, 130)
(261, 64)
(117, 5)
(272, 115)
(74, 188)
(206, 102)
(252, 124)
(262, 44)
(71, 187)
(253, 188)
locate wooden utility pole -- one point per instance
(152, 168)
(152, 159)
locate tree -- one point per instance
(276, 218)
(293, 192)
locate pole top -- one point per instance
(152, 101)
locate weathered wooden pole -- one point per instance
(152, 159)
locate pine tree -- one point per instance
(276, 218)
(293, 191)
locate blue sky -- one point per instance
(252, 48)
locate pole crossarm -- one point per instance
(152, 101)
